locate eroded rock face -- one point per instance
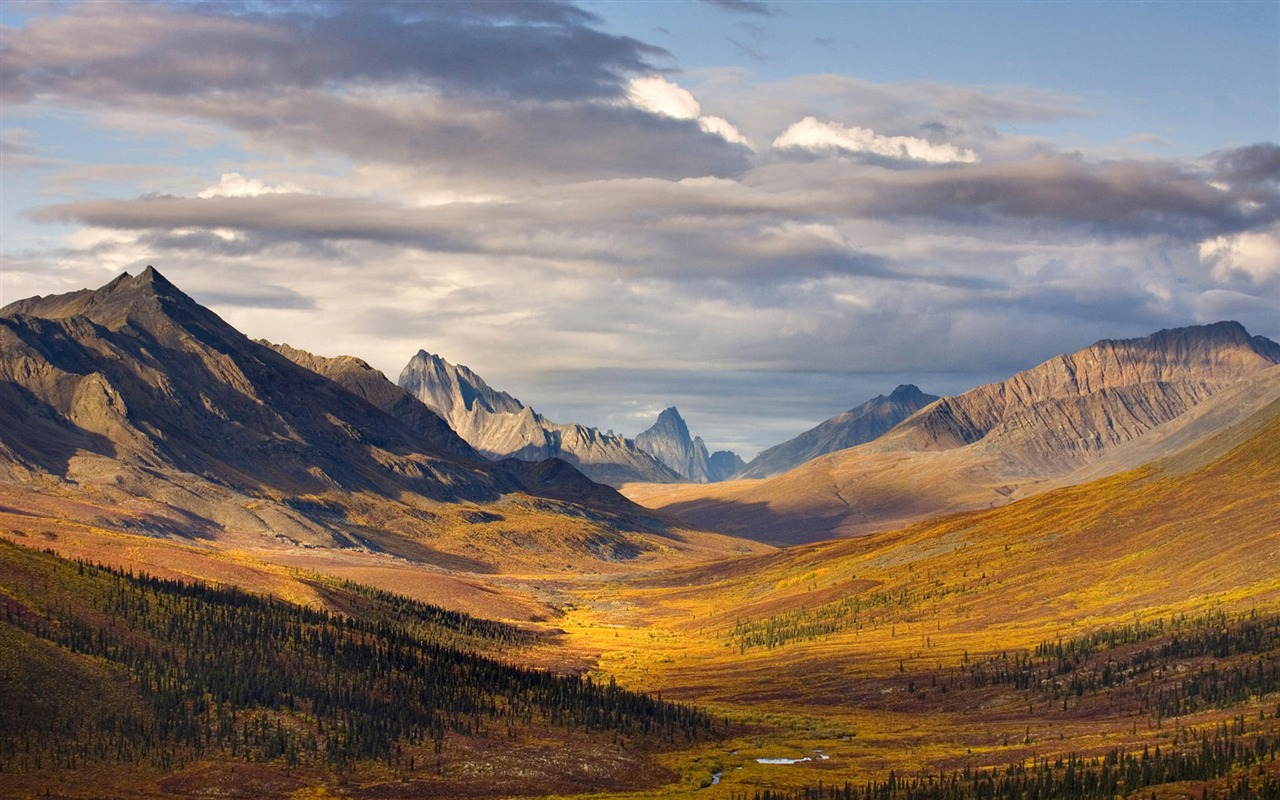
(856, 426)
(500, 426)
(1072, 407)
(668, 441)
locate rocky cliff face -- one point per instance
(856, 426)
(1073, 407)
(500, 426)
(668, 441)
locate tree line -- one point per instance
(192, 670)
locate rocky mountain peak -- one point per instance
(500, 426)
(905, 392)
(669, 442)
(671, 423)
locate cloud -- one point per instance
(546, 51)
(233, 184)
(657, 95)
(1252, 256)
(1112, 198)
(831, 137)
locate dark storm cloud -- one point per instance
(542, 51)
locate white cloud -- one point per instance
(233, 184)
(1257, 255)
(821, 137)
(658, 95)
(724, 129)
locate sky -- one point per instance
(761, 213)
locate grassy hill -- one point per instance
(1096, 620)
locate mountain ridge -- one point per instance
(859, 425)
(135, 400)
(981, 448)
(500, 426)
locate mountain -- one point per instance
(669, 442)
(856, 426)
(723, 465)
(1051, 425)
(500, 426)
(133, 408)
(1071, 408)
(358, 377)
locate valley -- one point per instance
(244, 570)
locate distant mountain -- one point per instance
(1070, 409)
(668, 441)
(500, 426)
(854, 427)
(724, 464)
(362, 380)
(1054, 424)
(135, 408)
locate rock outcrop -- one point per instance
(668, 441)
(500, 426)
(856, 426)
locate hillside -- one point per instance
(133, 408)
(253, 690)
(1101, 620)
(996, 442)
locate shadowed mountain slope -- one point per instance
(358, 377)
(134, 397)
(500, 426)
(996, 442)
(856, 426)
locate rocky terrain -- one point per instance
(500, 426)
(668, 441)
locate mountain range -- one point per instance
(500, 426)
(139, 400)
(1051, 425)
